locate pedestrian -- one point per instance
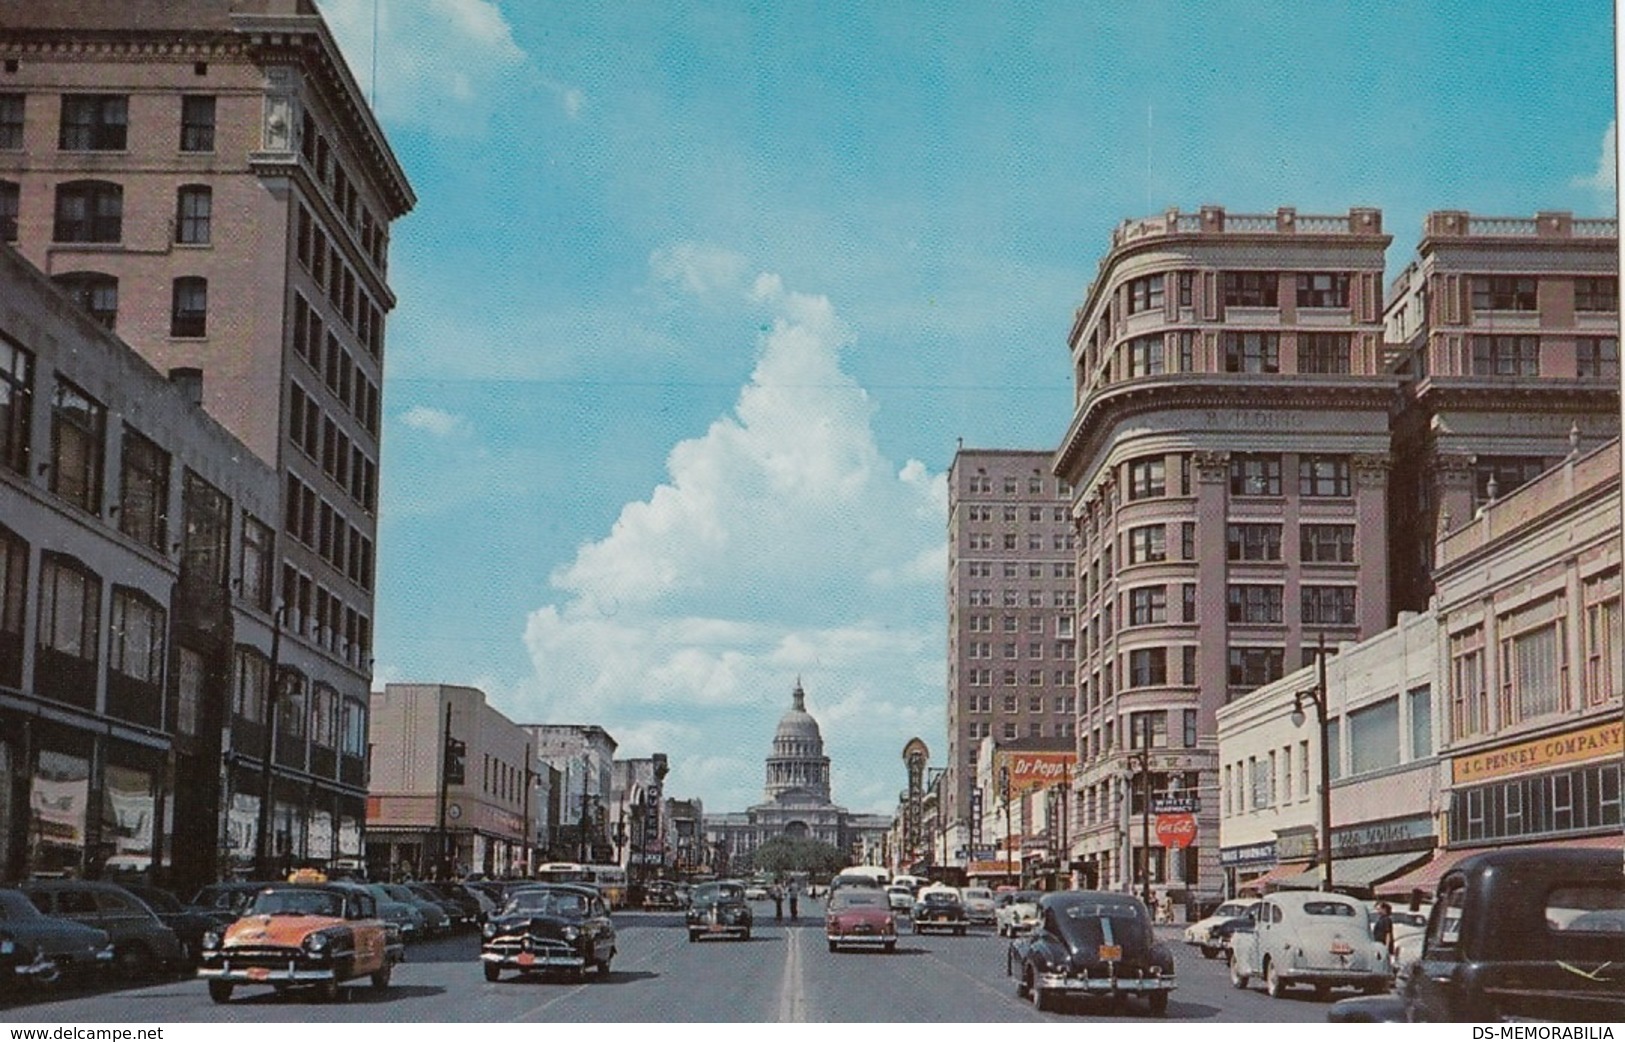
(778, 904)
(793, 908)
(1382, 930)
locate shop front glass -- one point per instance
(321, 835)
(60, 797)
(242, 830)
(127, 819)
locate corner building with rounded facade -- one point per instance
(1229, 458)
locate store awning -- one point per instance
(1274, 876)
(1356, 872)
(1426, 877)
(994, 868)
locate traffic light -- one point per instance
(455, 751)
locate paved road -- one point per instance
(783, 974)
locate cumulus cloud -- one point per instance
(1603, 178)
(437, 422)
(782, 544)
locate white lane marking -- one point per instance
(1007, 997)
(584, 985)
(792, 997)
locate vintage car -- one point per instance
(189, 924)
(61, 948)
(661, 895)
(718, 910)
(900, 898)
(857, 916)
(1015, 911)
(316, 935)
(403, 916)
(939, 908)
(142, 944)
(1305, 937)
(1208, 934)
(979, 904)
(552, 926)
(1091, 943)
(1536, 933)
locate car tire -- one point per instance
(326, 991)
(380, 979)
(889, 947)
(1159, 1003)
(1209, 952)
(219, 991)
(1273, 984)
(693, 936)
(1238, 980)
(492, 972)
(746, 935)
(1043, 1001)
(603, 968)
(1322, 991)
(131, 959)
(832, 946)
(1023, 984)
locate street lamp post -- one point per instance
(1318, 697)
(1009, 839)
(1144, 756)
(262, 841)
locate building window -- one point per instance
(1534, 662)
(1326, 544)
(324, 712)
(89, 211)
(16, 405)
(1147, 544)
(1146, 478)
(1469, 701)
(1145, 356)
(94, 292)
(1324, 352)
(1328, 605)
(1600, 293)
(1188, 604)
(205, 530)
(1594, 356)
(1420, 707)
(143, 491)
(1252, 352)
(258, 560)
(1503, 293)
(1147, 605)
(1251, 289)
(193, 206)
(291, 717)
(1250, 602)
(93, 123)
(1604, 646)
(136, 636)
(13, 590)
(1323, 289)
(253, 684)
(197, 123)
(1506, 356)
(78, 439)
(69, 607)
(1324, 476)
(1186, 347)
(1147, 667)
(1374, 736)
(1145, 294)
(10, 203)
(189, 313)
(353, 728)
(1255, 475)
(1497, 476)
(1254, 667)
(11, 121)
(1253, 542)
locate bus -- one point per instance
(611, 882)
(564, 872)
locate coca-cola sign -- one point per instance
(1176, 830)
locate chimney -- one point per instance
(190, 381)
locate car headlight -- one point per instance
(211, 941)
(489, 930)
(7, 946)
(571, 933)
(318, 943)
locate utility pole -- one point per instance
(1009, 839)
(1318, 697)
(262, 841)
(445, 785)
(1145, 809)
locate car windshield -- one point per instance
(719, 892)
(546, 902)
(1085, 923)
(1027, 897)
(940, 898)
(1229, 911)
(1328, 908)
(14, 904)
(297, 902)
(856, 899)
(978, 895)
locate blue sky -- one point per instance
(698, 297)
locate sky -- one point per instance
(699, 300)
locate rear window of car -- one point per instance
(1593, 908)
(1096, 911)
(1328, 908)
(858, 899)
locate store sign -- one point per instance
(1247, 855)
(1037, 770)
(1382, 837)
(1553, 751)
(1176, 830)
(1164, 803)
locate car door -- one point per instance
(368, 931)
(1433, 982)
(1244, 942)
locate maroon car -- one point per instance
(860, 916)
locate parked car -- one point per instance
(141, 942)
(939, 908)
(1015, 911)
(1092, 943)
(719, 910)
(431, 893)
(1307, 937)
(189, 924)
(227, 900)
(1201, 934)
(552, 927)
(60, 947)
(757, 892)
(435, 919)
(1521, 934)
(979, 906)
(859, 916)
(303, 934)
(405, 917)
(900, 898)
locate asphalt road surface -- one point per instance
(784, 973)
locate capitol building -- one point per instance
(796, 798)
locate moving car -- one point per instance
(1202, 934)
(661, 895)
(551, 927)
(142, 944)
(1536, 933)
(1308, 937)
(315, 935)
(757, 892)
(1092, 943)
(900, 898)
(1015, 911)
(939, 908)
(859, 916)
(59, 947)
(719, 910)
(979, 907)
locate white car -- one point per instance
(978, 904)
(1200, 933)
(1312, 938)
(1015, 911)
(900, 899)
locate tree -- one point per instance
(783, 854)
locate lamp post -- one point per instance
(1318, 697)
(1009, 839)
(935, 785)
(586, 810)
(1144, 758)
(262, 841)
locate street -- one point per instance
(783, 974)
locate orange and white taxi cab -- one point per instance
(302, 934)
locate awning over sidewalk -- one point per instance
(1356, 871)
(1426, 877)
(1274, 876)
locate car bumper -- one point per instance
(541, 960)
(878, 939)
(718, 929)
(1332, 978)
(286, 973)
(1105, 985)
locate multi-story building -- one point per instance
(1012, 590)
(584, 757)
(1507, 333)
(453, 786)
(1228, 456)
(135, 628)
(206, 179)
(636, 796)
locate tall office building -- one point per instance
(1229, 457)
(206, 179)
(1012, 596)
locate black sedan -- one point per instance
(189, 924)
(1092, 943)
(549, 927)
(939, 910)
(59, 947)
(719, 910)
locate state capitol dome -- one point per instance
(798, 761)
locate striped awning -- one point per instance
(1274, 876)
(1426, 877)
(1358, 872)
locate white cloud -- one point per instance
(434, 421)
(1604, 177)
(782, 544)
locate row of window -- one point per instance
(1323, 289)
(1035, 541)
(341, 189)
(982, 483)
(331, 360)
(1035, 649)
(1519, 355)
(1035, 514)
(1011, 569)
(1063, 703)
(327, 444)
(315, 522)
(101, 122)
(330, 720)
(978, 677)
(321, 257)
(1521, 292)
(319, 614)
(1011, 624)
(981, 598)
(1011, 730)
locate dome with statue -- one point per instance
(798, 761)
